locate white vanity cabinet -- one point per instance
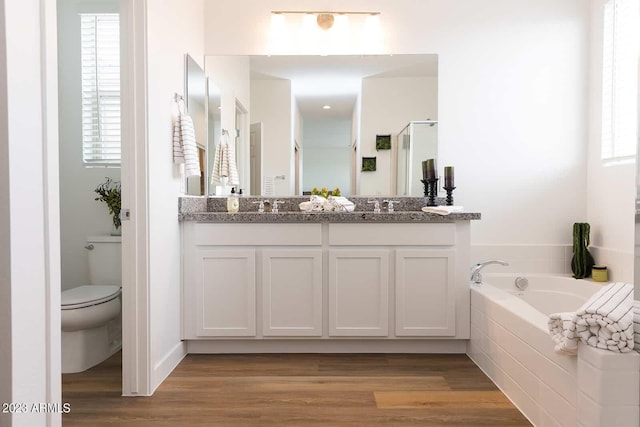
(291, 292)
(425, 298)
(320, 286)
(248, 280)
(358, 292)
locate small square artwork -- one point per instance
(368, 164)
(383, 142)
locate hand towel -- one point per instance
(442, 210)
(341, 204)
(184, 145)
(224, 163)
(562, 327)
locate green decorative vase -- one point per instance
(582, 262)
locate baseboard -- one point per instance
(326, 346)
(167, 364)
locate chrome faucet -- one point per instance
(476, 277)
(276, 204)
(376, 205)
(387, 205)
(263, 205)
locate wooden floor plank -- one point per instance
(441, 399)
(296, 390)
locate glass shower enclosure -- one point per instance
(416, 142)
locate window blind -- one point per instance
(619, 84)
(100, 60)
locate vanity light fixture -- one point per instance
(326, 107)
(324, 19)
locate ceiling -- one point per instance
(336, 80)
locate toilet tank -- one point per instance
(105, 264)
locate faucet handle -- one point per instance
(376, 205)
(276, 203)
(390, 203)
(260, 205)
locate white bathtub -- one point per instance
(511, 344)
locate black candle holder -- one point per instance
(449, 191)
(430, 190)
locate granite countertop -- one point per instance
(213, 210)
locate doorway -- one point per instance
(255, 154)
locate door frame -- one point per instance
(136, 345)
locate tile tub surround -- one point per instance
(213, 209)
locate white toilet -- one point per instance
(91, 321)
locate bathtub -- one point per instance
(510, 342)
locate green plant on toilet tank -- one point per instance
(582, 261)
(109, 192)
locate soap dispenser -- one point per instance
(233, 203)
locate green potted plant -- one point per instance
(109, 193)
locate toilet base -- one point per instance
(86, 348)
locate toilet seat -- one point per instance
(88, 295)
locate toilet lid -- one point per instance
(88, 295)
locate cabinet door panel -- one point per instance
(425, 293)
(225, 297)
(292, 292)
(358, 293)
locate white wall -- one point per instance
(29, 232)
(512, 85)
(271, 104)
(388, 105)
(327, 147)
(174, 28)
(81, 215)
(611, 188)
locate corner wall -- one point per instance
(611, 189)
(174, 28)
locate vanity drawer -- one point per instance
(441, 234)
(257, 234)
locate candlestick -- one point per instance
(430, 190)
(448, 177)
(449, 191)
(431, 169)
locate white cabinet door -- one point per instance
(425, 292)
(292, 292)
(225, 282)
(358, 292)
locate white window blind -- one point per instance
(100, 58)
(619, 80)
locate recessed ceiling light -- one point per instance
(326, 107)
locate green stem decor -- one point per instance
(582, 261)
(109, 192)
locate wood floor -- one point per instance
(296, 390)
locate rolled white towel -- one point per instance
(562, 328)
(442, 210)
(606, 319)
(341, 204)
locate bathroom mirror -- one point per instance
(214, 124)
(195, 99)
(312, 118)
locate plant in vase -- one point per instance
(582, 262)
(324, 192)
(109, 193)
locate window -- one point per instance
(619, 80)
(100, 59)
